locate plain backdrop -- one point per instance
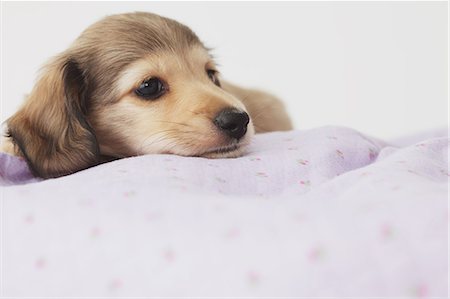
(378, 67)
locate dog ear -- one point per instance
(51, 130)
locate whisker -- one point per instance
(171, 122)
(261, 110)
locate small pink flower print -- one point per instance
(445, 172)
(387, 231)
(306, 183)
(340, 154)
(29, 219)
(40, 263)
(332, 137)
(115, 284)
(421, 145)
(363, 174)
(220, 180)
(232, 233)
(253, 277)
(255, 159)
(421, 291)
(169, 255)
(95, 232)
(262, 174)
(315, 254)
(129, 194)
(303, 162)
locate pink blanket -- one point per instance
(324, 212)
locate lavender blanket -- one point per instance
(324, 212)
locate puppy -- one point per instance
(135, 84)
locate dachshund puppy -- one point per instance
(135, 84)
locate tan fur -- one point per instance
(49, 129)
(84, 105)
(268, 113)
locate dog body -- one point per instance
(135, 84)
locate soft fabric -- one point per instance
(14, 170)
(324, 212)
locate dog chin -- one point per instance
(232, 151)
(220, 150)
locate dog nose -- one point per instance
(233, 122)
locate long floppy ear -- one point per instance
(51, 130)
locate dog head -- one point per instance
(131, 84)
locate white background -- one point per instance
(378, 67)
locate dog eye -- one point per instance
(151, 89)
(212, 74)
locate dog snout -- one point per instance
(232, 122)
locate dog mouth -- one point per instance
(228, 151)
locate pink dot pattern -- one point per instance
(302, 214)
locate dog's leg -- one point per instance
(266, 111)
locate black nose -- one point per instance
(233, 122)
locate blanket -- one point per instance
(316, 213)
